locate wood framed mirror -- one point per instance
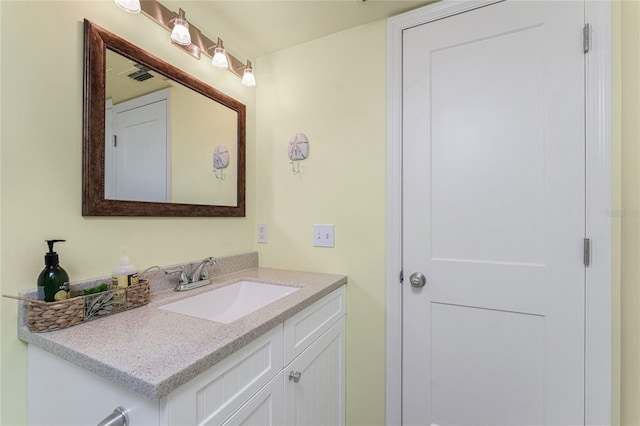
(194, 189)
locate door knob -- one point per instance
(417, 280)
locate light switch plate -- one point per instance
(262, 233)
(323, 236)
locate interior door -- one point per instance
(142, 153)
(494, 216)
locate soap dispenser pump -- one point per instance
(125, 274)
(53, 281)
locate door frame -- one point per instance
(598, 344)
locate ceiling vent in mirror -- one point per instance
(141, 75)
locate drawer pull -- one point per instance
(295, 376)
(118, 417)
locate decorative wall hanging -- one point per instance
(298, 150)
(220, 161)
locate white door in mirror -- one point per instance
(137, 158)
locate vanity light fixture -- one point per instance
(220, 56)
(132, 6)
(248, 79)
(180, 33)
(181, 36)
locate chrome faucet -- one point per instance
(198, 278)
(201, 273)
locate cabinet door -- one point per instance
(214, 395)
(318, 396)
(264, 409)
(306, 326)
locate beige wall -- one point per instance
(41, 133)
(630, 209)
(333, 90)
(616, 200)
(198, 125)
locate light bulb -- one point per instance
(220, 59)
(248, 79)
(132, 6)
(180, 33)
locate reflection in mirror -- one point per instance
(160, 139)
(150, 136)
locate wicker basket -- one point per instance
(43, 316)
(49, 316)
(138, 295)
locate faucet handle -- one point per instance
(183, 276)
(204, 274)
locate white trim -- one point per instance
(142, 100)
(394, 224)
(598, 150)
(109, 152)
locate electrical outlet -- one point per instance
(262, 233)
(323, 236)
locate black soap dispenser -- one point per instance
(53, 281)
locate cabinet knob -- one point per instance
(295, 376)
(118, 417)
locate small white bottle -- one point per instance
(125, 274)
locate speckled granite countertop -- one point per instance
(152, 351)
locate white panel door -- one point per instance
(142, 154)
(494, 216)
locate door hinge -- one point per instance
(115, 140)
(587, 252)
(586, 37)
(401, 277)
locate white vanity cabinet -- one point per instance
(255, 385)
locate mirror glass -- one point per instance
(160, 139)
(157, 142)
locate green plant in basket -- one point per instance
(93, 290)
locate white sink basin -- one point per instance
(231, 302)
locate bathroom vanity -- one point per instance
(282, 364)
